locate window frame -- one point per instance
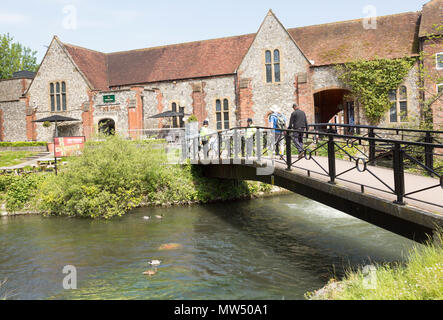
(397, 102)
(175, 120)
(58, 96)
(272, 65)
(222, 113)
(436, 61)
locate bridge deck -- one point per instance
(354, 179)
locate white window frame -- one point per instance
(436, 60)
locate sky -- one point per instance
(110, 26)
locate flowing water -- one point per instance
(273, 248)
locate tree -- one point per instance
(15, 57)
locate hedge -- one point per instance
(23, 144)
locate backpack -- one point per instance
(281, 122)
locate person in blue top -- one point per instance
(278, 121)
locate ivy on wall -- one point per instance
(370, 82)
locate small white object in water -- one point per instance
(159, 217)
(154, 262)
(146, 217)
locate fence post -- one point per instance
(429, 151)
(219, 146)
(288, 150)
(331, 159)
(371, 134)
(259, 150)
(399, 174)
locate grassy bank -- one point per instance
(11, 158)
(114, 176)
(421, 278)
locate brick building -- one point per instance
(223, 80)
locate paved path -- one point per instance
(30, 163)
(355, 179)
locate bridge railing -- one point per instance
(324, 148)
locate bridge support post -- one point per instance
(258, 141)
(288, 151)
(399, 174)
(331, 159)
(429, 151)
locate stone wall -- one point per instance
(271, 35)
(197, 96)
(13, 89)
(57, 67)
(325, 78)
(13, 121)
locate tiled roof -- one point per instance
(432, 15)
(395, 36)
(93, 65)
(180, 61)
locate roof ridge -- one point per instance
(353, 20)
(84, 48)
(178, 44)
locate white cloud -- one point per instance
(12, 18)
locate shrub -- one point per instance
(19, 191)
(116, 175)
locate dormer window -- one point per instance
(57, 93)
(272, 66)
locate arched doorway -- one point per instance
(106, 126)
(334, 105)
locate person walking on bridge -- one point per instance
(298, 121)
(249, 137)
(277, 121)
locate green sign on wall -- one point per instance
(109, 98)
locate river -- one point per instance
(272, 248)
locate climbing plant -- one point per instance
(429, 74)
(370, 82)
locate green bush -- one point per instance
(23, 144)
(116, 175)
(19, 191)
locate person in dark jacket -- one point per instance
(298, 121)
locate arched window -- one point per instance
(226, 113)
(268, 62)
(57, 94)
(272, 66)
(403, 103)
(276, 66)
(399, 104)
(52, 94)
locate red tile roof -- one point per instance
(93, 65)
(180, 61)
(432, 15)
(395, 36)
